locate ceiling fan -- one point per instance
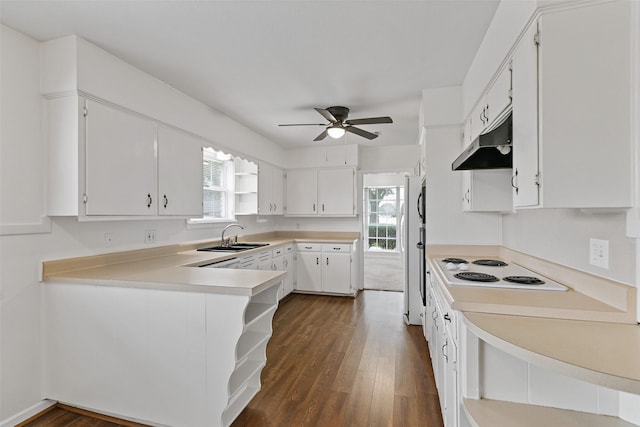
(339, 123)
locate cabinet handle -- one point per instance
(275, 207)
(166, 201)
(444, 353)
(327, 260)
(447, 317)
(317, 261)
(514, 182)
(314, 207)
(323, 207)
(149, 200)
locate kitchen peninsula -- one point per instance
(150, 336)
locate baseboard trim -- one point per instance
(28, 413)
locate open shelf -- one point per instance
(239, 401)
(248, 342)
(255, 310)
(489, 413)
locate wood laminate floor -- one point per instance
(332, 361)
(342, 362)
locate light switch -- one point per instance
(599, 253)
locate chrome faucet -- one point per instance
(227, 242)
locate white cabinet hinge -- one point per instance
(536, 38)
(511, 65)
(85, 112)
(537, 179)
(84, 198)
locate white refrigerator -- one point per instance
(412, 230)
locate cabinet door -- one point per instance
(336, 272)
(302, 193)
(265, 183)
(289, 267)
(477, 119)
(499, 96)
(336, 192)
(179, 173)
(121, 176)
(309, 275)
(277, 190)
(525, 121)
(466, 191)
(586, 90)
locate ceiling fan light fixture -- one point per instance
(336, 131)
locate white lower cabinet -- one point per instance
(442, 335)
(283, 260)
(324, 268)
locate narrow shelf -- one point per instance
(256, 310)
(243, 374)
(238, 404)
(246, 174)
(248, 342)
(489, 413)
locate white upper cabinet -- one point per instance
(179, 173)
(486, 191)
(525, 121)
(585, 107)
(323, 192)
(336, 192)
(498, 97)
(270, 183)
(106, 161)
(120, 162)
(302, 193)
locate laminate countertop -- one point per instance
(589, 332)
(178, 267)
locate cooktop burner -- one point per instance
(524, 280)
(456, 260)
(490, 262)
(476, 277)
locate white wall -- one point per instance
(389, 158)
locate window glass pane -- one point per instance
(383, 211)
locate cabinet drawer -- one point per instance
(336, 247)
(309, 247)
(278, 252)
(262, 256)
(288, 249)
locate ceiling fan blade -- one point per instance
(305, 124)
(369, 121)
(327, 115)
(322, 136)
(361, 132)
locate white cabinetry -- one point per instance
(106, 161)
(442, 336)
(486, 190)
(525, 121)
(283, 260)
(498, 96)
(120, 162)
(323, 192)
(584, 106)
(270, 189)
(324, 268)
(179, 179)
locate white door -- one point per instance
(289, 267)
(302, 193)
(277, 191)
(499, 96)
(525, 121)
(336, 192)
(309, 271)
(336, 272)
(179, 173)
(121, 176)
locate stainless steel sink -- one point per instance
(236, 247)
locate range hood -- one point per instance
(491, 150)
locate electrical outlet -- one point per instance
(108, 239)
(150, 236)
(599, 253)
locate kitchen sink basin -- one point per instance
(236, 247)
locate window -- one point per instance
(383, 210)
(217, 184)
